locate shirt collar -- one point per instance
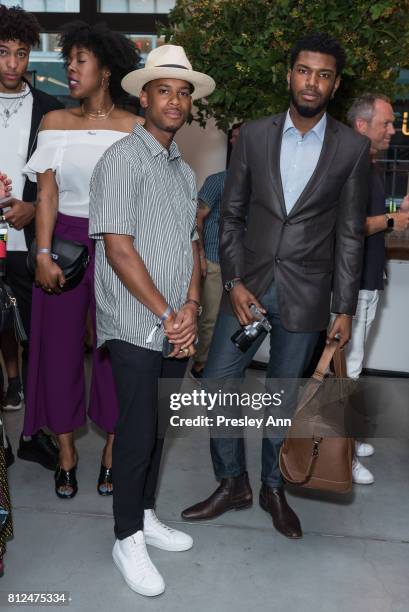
(318, 129)
(154, 145)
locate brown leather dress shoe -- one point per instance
(285, 520)
(231, 494)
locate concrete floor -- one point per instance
(354, 554)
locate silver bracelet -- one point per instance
(166, 314)
(47, 251)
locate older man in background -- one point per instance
(372, 115)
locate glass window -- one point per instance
(145, 44)
(136, 6)
(46, 67)
(46, 6)
(164, 6)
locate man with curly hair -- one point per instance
(22, 108)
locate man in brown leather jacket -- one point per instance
(292, 233)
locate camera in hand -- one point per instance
(244, 337)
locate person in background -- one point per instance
(372, 116)
(6, 526)
(70, 144)
(208, 217)
(6, 456)
(22, 108)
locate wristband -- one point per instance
(166, 314)
(47, 251)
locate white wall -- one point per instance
(388, 342)
(204, 149)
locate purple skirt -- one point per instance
(56, 391)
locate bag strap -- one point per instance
(18, 323)
(340, 363)
(310, 468)
(333, 353)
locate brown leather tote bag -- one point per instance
(314, 454)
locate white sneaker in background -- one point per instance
(161, 536)
(363, 449)
(133, 561)
(360, 474)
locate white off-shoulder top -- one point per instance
(73, 155)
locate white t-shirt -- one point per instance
(73, 155)
(13, 153)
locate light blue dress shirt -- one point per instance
(299, 157)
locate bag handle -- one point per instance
(309, 470)
(332, 352)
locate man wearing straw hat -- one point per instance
(143, 215)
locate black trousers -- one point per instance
(21, 283)
(137, 448)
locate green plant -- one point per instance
(244, 45)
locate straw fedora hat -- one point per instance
(169, 62)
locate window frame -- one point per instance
(146, 22)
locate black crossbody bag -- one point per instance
(72, 257)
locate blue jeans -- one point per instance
(290, 353)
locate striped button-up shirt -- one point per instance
(299, 157)
(141, 189)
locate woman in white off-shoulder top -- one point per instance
(70, 143)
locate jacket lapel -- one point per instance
(325, 160)
(273, 156)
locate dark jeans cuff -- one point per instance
(273, 483)
(223, 473)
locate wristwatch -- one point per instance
(229, 285)
(390, 221)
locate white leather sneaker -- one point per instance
(132, 559)
(161, 536)
(363, 449)
(360, 474)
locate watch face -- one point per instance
(228, 285)
(391, 222)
